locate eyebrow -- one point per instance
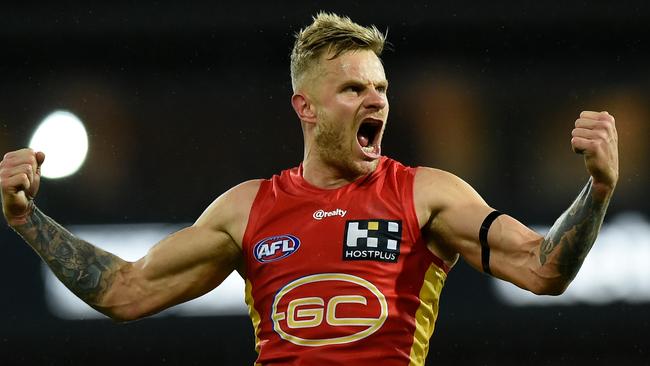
(381, 83)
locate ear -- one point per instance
(304, 108)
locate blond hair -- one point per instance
(333, 35)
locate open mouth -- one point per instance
(368, 136)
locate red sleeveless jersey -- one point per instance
(340, 276)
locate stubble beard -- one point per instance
(330, 146)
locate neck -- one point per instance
(333, 173)
(323, 175)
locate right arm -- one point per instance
(181, 267)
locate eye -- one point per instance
(353, 89)
(382, 89)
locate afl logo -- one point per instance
(328, 308)
(275, 248)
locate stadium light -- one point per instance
(63, 138)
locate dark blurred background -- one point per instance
(184, 100)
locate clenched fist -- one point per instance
(20, 176)
(595, 137)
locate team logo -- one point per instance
(328, 308)
(377, 240)
(275, 248)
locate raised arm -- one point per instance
(183, 266)
(452, 212)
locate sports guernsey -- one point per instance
(340, 276)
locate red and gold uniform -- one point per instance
(340, 276)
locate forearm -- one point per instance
(85, 269)
(570, 239)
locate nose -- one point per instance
(375, 100)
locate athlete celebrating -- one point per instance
(348, 249)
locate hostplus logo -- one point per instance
(376, 239)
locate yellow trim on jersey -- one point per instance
(425, 316)
(254, 315)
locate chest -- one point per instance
(367, 234)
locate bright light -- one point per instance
(130, 242)
(616, 269)
(63, 139)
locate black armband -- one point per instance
(482, 238)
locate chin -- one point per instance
(352, 169)
(364, 167)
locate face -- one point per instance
(349, 97)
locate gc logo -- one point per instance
(303, 314)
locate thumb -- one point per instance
(33, 188)
(40, 158)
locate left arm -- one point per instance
(575, 231)
(452, 214)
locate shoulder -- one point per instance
(229, 212)
(245, 191)
(238, 199)
(435, 190)
(435, 180)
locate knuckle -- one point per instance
(609, 129)
(22, 177)
(5, 165)
(605, 123)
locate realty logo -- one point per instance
(376, 239)
(321, 214)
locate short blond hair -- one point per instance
(334, 35)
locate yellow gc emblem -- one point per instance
(305, 311)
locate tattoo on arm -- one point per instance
(86, 270)
(574, 233)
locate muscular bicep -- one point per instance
(188, 263)
(513, 247)
(455, 216)
(183, 266)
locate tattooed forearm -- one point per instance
(86, 270)
(574, 233)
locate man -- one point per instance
(345, 256)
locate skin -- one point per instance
(331, 104)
